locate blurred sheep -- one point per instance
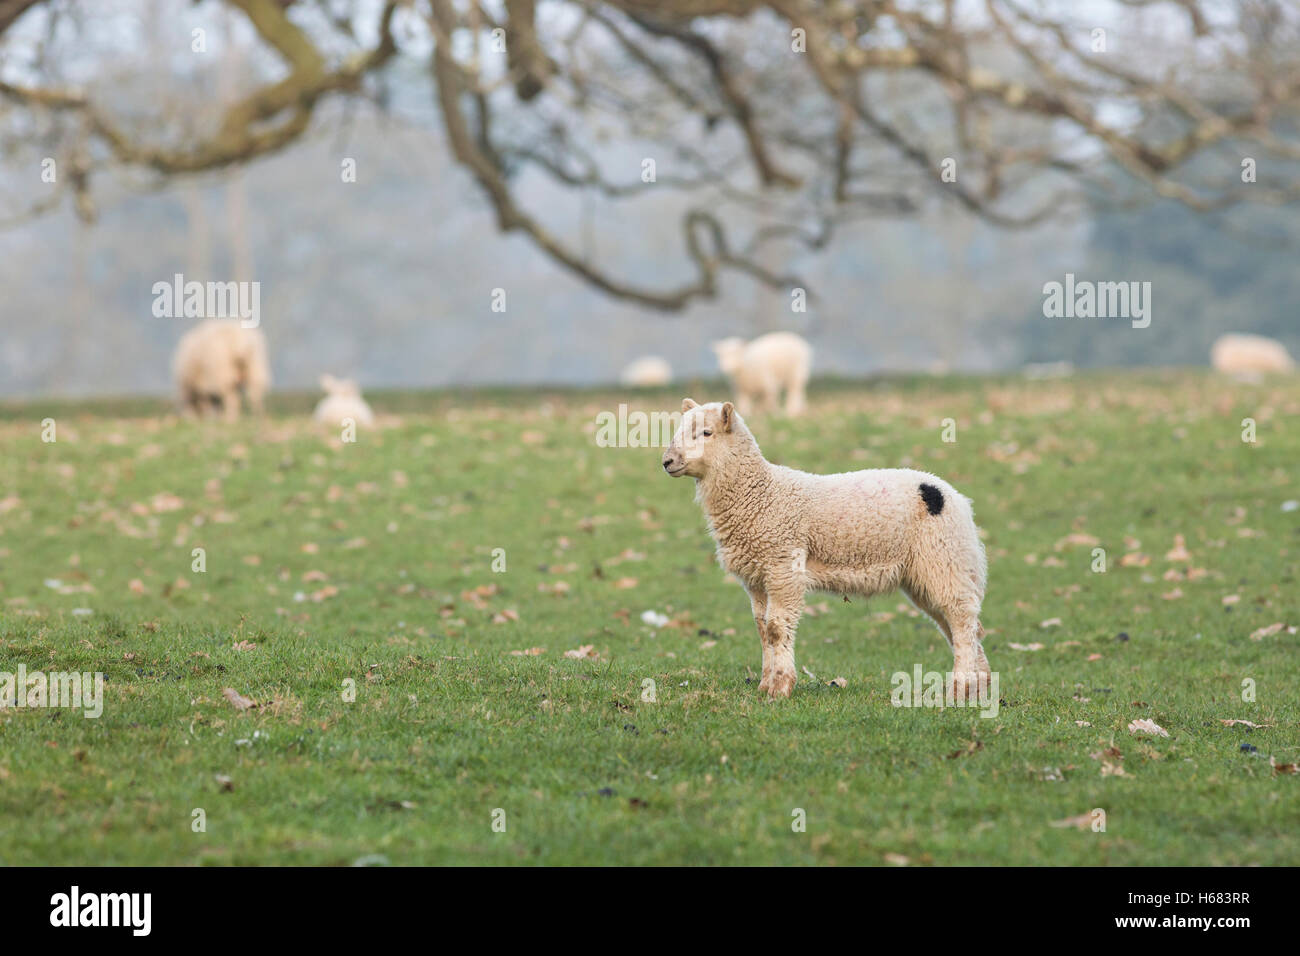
(760, 370)
(342, 401)
(647, 371)
(1250, 355)
(216, 363)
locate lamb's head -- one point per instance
(729, 352)
(339, 386)
(708, 436)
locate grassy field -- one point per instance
(373, 562)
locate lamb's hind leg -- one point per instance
(970, 668)
(931, 612)
(959, 622)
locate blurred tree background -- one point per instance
(504, 145)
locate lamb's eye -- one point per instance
(708, 432)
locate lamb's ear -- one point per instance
(728, 416)
(688, 404)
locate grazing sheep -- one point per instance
(761, 369)
(342, 400)
(784, 532)
(1250, 355)
(647, 371)
(215, 362)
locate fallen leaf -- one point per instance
(1082, 822)
(1268, 631)
(1146, 726)
(1179, 551)
(238, 701)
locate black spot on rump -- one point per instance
(932, 497)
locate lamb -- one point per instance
(217, 360)
(761, 369)
(342, 401)
(646, 372)
(1250, 355)
(784, 532)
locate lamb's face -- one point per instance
(728, 352)
(702, 437)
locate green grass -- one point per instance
(360, 561)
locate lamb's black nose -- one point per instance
(667, 463)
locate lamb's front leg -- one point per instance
(758, 605)
(782, 619)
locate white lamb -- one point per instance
(1250, 355)
(760, 370)
(784, 532)
(646, 372)
(342, 401)
(215, 362)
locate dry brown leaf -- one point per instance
(1082, 822)
(1179, 551)
(1144, 725)
(1268, 631)
(237, 700)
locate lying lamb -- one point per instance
(760, 370)
(215, 362)
(342, 401)
(784, 532)
(645, 372)
(1250, 355)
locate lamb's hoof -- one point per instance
(765, 685)
(782, 685)
(969, 686)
